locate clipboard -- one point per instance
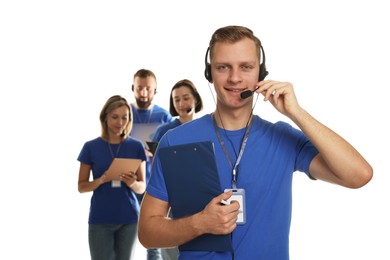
(121, 165)
(191, 177)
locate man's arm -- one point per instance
(338, 161)
(156, 230)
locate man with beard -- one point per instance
(146, 118)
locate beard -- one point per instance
(143, 104)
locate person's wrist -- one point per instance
(101, 180)
(196, 223)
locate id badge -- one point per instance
(239, 196)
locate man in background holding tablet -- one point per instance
(147, 117)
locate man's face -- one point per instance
(144, 90)
(235, 68)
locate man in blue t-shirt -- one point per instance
(255, 161)
(146, 118)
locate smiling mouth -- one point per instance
(235, 90)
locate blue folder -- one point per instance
(191, 176)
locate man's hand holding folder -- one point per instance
(219, 217)
(194, 190)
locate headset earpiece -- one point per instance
(207, 70)
(263, 70)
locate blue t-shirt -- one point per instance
(273, 152)
(162, 129)
(147, 120)
(156, 114)
(110, 205)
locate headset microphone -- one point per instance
(189, 110)
(247, 93)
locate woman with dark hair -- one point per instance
(184, 103)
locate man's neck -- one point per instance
(232, 119)
(143, 108)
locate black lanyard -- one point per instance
(242, 148)
(117, 150)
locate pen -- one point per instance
(224, 202)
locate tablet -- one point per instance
(122, 165)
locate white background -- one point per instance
(61, 60)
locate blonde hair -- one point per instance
(113, 103)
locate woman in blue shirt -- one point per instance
(114, 207)
(184, 102)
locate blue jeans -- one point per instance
(112, 242)
(154, 254)
(170, 253)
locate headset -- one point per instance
(132, 89)
(262, 72)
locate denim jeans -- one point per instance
(170, 253)
(112, 242)
(154, 254)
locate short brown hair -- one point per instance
(232, 34)
(144, 73)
